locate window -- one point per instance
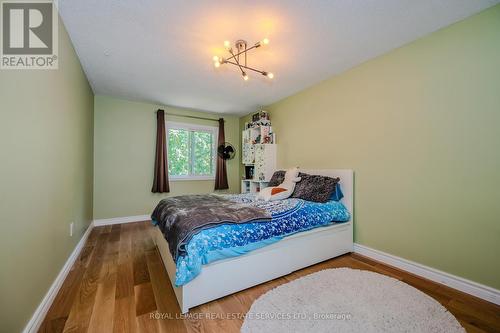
(191, 151)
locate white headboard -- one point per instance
(346, 183)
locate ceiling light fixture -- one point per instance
(238, 57)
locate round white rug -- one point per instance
(348, 300)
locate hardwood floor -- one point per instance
(119, 284)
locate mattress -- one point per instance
(289, 217)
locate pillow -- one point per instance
(337, 194)
(276, 190)
(315, 188)
(273, 194)
(283, 190)
(277, 178)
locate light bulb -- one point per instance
(217, 64)
(216, 58)
(270, 75)
(245, 77)
(265, 41)
(227, 44)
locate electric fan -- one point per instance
(226, 151)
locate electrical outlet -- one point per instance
(71, 229)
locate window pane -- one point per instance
(202, 148)
(178, 152)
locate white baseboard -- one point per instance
(118, 220)
(467, 286)
(42, 309)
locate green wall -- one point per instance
(45, 178)
(124, 147)
(420, 126)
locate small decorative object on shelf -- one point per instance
(258, 153)
(255, 117)
(249, 171)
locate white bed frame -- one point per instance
(227, 276)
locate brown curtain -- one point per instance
(220, 171)
(160, 183)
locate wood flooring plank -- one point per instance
(429, 287)
(364, 259)
(474, 316)
(84, 257)
(487, 307)
(144, 299)
(53, 325)
(355, 263)
(115, 233)
(103, 310)
(81, 309)
(470, 328)
(148, 243)
(94, 234)
(58, 313)
(215, 319)
(192, 325)
(125, 244)
(164, 295)
(145, 324)
(125, 280)
(141, 274)
(232, 310)
(124, 320)
(106, 229)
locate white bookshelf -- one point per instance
(259, 156)
(252, 186)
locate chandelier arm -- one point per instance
(238, 63)
(244, 51)
(246, 67)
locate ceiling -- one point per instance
(161, 51)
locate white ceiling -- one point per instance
(161, 51)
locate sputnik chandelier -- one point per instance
(238, 57)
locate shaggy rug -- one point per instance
(347, 300)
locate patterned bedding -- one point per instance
(289, 216)
(183, 216)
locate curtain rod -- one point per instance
(193, 117)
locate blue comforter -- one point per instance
(289, 216)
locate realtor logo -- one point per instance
(29, 35)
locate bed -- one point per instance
(222, 273)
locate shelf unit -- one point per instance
(252, 186)
(261, 157)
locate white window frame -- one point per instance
(194, 127)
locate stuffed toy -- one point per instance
(283, 190)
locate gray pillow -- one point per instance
(277, 178)
(315, 187)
